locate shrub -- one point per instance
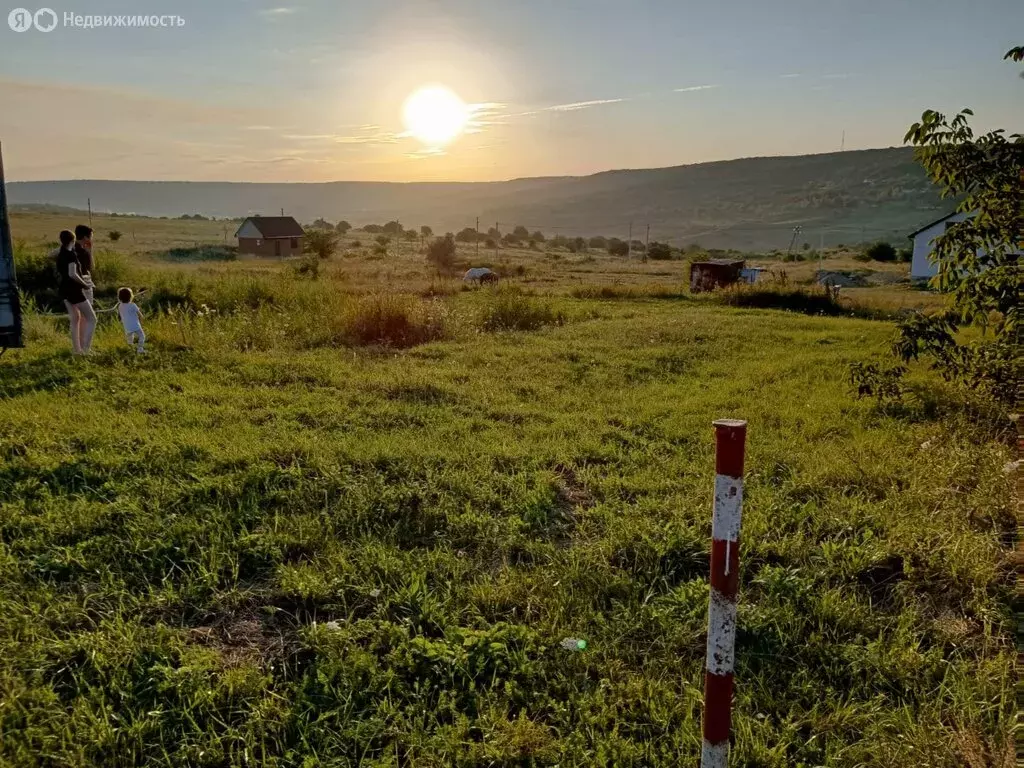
(114, 236)
(441, 252)
(659, 251)
(466, 235)
(599, 243)
(618, 247)
(881, 251)
(202, 253)
(321, 243)
(537, 236)
(490, 243)
(393, 320)
(308, 266)
(809, 300)
(513, 311)
(343, 227)
(382, 240)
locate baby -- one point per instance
(131, 319)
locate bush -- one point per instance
(599, 243)
(441, 252)
(659, 251)
(392, 320)
(114, 236)
(202, 253)
(881, 251)
(809, 300)
(514, 311)
(321, 243)
(382, 240)
(618, 247)
(342, 227)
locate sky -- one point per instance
(312, 90)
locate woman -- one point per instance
(72, 286)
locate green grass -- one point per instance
(267, 544)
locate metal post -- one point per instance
(10, 300)
(730, 442)
(647, 243)
(88, 202)
(629, 248)
(478, 238)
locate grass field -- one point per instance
(273, 542)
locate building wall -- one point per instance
(262, 247)
(922, 268)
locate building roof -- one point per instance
(722, 262)
(274, 227)
(917, 232)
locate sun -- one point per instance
(435, 115)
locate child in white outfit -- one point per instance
(131, 319)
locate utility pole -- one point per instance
(282, 211)
(477, 237)
(497, 232)
(88, 202)
(796, 231)
(647, 242)
(629, 243)
(821, 254)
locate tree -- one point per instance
(976, 258)
(494, 233)
(441, 252)
(538, 236)
(426, 231)
(373, 229)
(578, 245)
(880, 251)
(599, 243)
(467, 235)
(114, 236)
(411, 235)
(322, 224)
(659, 251)
(521, 233)
(322, 243)
(343, 227)
(617, 247)
(382, 240)
(392, 228)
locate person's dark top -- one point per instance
(84, 259)
(70, 290)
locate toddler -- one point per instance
(131, 319)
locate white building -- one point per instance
(922, 267)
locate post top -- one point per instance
(730, 423)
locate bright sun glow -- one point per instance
(435, 115)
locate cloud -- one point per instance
(790, 75)
(426, 152)
(696, 88)
(259, 128)
(271, 13)
(576, 105)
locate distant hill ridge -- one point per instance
(841, 197)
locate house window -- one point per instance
(295, 243)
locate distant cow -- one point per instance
(481, 275)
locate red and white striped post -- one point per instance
(730, 441)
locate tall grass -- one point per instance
(512, 310)
(807, 299)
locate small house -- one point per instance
(716, 273)
(270, 236)
(922, 267)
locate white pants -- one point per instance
(89, 293)
(138, 334)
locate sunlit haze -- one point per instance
(402, 90)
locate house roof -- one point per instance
(931, 224)
(274, 227)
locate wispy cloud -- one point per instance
(426, 152)
(690, 88)
(790, 75)
(259, 127)
(576, 105)
(271, 13)
(361, 134)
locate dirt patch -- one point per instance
(242, 639)
(572, 493)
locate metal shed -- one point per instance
(715, 273)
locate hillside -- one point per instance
(747, 203)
